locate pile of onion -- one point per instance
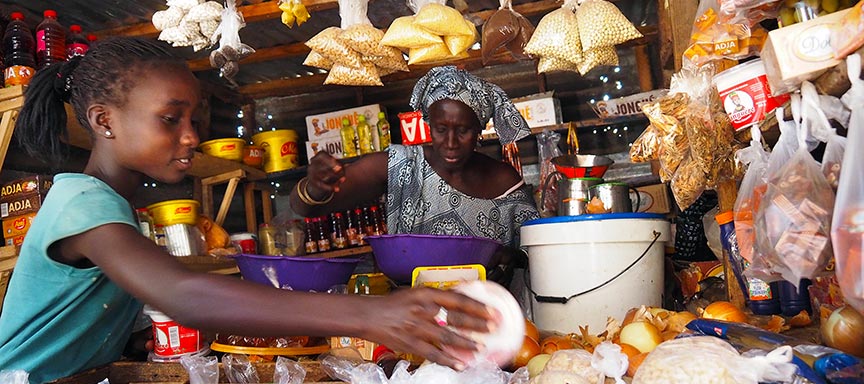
(844, 330)
(724, 310)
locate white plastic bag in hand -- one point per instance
(847, 232)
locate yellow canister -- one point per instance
(230, 149)
(174, 212)
(280, 149)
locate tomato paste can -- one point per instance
(746, 95)
(172, 340)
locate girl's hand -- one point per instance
(406, 321)
(324, 176)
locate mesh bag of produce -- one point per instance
(596, 57)
(365, 74)
(458, 44)
(328, 45)
(557, 35)
(601, 24)
(441, 20)
(549, 64)
(435, 53)
(314, 59)
(405, 35)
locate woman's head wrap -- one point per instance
(486, 99)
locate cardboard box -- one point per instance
(413, 128)
(6, 266)
(330, 145)
(365, 347)
(539, 110)
(653, 198)
(800, 52)
(31, 185)
(17, 225)
(21, 205)
(15, 240)
(326, 125)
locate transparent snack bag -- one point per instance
(557, 35)
(601, 24)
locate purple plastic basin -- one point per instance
(398, 255)
(299, 273)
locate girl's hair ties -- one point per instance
(63, 82)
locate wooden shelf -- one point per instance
(343, 252)
(204, 165)
(210, 264)
(590, 123)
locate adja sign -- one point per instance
(414, 130)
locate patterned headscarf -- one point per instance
(486, 99)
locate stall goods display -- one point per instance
(293, 11)
(580, 41)
(231, 50)
(188, 23)
(435, 34)
(718, 35)
(506, 28)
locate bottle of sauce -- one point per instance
(383, 131)
(50, 41)
(323, 238)
(349, 139)
(352, 229)
(267, 240)
(311, 240)
(361, 226)
(76, 43)
(375, 228)
(386, 359)
(19, 52)
(340, 240)
(364, 134)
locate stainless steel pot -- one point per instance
(615, 196)
(573, 193)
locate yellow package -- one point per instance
(365, 74)
(405, 35)
(385, 71)
(460, 43)
(596, 57)
(441, 20)
(365, 39)
(557, 35)
(549, 64)
(328, 45)
(314, 59)
(429, 54)
(602, 24)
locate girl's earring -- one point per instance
(108, 133)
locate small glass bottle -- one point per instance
(352, 229)
(375, 222)
(365, 223)
(383, 131)
(145, 223)
(339, 238)
(311, 241)
(323, 238)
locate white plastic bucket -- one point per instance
(587, 268)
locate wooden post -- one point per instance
(249, 204)
(250, 126)
(643, 68)
(676, 24)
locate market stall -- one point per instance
(682, 201)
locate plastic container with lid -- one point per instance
(18, 51)
(172, 340)
(746, 95)
(50, 41)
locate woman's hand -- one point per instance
(406, 321)
(324, 176)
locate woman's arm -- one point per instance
(403, 320)
(347, 184)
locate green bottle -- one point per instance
(383, 131)
(364, 134)
(349, 139)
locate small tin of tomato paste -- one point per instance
(170, 339)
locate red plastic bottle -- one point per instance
(19, 51)
(50, 41)
(91, 38)
(76, 43)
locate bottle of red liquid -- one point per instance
(76, 43)
(91, 38)
(19, 51)
(340, 239)
(323, 238)
(375, 227)
(352, 229)
(311, 241)
(50, 41)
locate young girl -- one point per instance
(84, 269)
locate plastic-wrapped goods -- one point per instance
(557, 35)
(832, 160)
(364, 38)
(569, 366)
(231, 49)
(707, 359)
(328, 45)
(847, 232)
(717, 37)
(595, 57)
(389, 62)
(458, 44)
(601, 24)
(431, 54)
(363, 75)
(549, 64)
(750, 193)
(314, 59)
(441, 20)
(293, 11)
(689, 181)
(201, 369)
(167, 18)
(849, 35)
(404, 34)
(499, 29)
(646, 147)
(517, 45)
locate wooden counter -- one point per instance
(123, 372)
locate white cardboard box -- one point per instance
(538, 110)
(333, 146)
(327, 125)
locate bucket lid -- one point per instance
(601, 216)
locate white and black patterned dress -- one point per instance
(421, 202)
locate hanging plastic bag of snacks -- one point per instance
(847, 231)
(596, 57)
(431, 54)
(517, 45)
(548, 64)
(404, 34)
(458, 44)
(750, 193)
(293, 11)
(358, 33)
(646, 147)
(601, 24)
(396, 63)
(231, 50)
(364, 75)
(557, 35)
(314, 59)
(328, 45)
(689, 181)
(501, 28)
(717, 37)
(438, 18)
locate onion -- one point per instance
(844, 330)
(555, 343)
(532, 331)
(537, 363)
(642, 335)
(529, 349)
(724, 310)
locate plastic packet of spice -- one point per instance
(404, 34)
(548, 64)
(458, 44)
(557, 35)
(364, 75)
(328, 45)
(441, 20)
(430, 54)
(601, 24)
(314, 59)
(596, 57)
